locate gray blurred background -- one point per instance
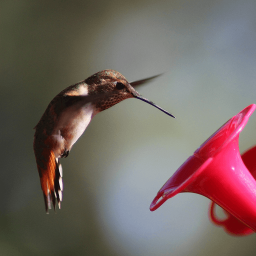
(207, 52)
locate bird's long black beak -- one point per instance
(151, 103)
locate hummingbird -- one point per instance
(67, 117)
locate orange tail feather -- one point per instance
(50, 172)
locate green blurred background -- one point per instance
(207, 52)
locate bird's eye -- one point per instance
(119, 86)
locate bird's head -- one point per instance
(110, 87)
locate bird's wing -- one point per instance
(144, 81)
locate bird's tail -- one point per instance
(50, 171)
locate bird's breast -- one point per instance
(73, 122)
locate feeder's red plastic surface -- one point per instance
(216, 170)
(231, 224)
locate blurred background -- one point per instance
(206, 50)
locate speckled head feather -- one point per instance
(110, 87)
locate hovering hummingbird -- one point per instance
(66, 118)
